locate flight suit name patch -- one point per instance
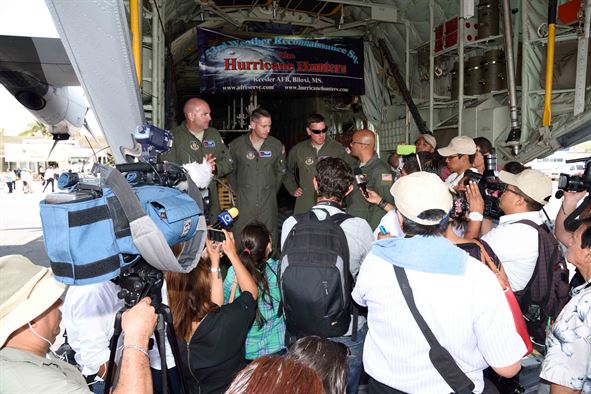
(209, 144)
(265, 153)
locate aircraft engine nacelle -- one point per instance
(62, 109)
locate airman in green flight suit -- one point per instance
(259, 169)
(195, 141)
(302, 160)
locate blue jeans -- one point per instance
(355, 359)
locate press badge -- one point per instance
(209, 144)
(265, 153)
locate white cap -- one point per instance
(460, 145)
(532, 183)
(420, 192)
(429, 139)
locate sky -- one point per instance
(29, 18)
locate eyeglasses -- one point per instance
(452, 157)
(358, 143)
(323, 131)
(514, 192)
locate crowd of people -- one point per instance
(24, 178)
(379, 271)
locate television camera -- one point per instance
(99, 225)
(120, 225)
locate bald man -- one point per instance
(194, 140)
(377, 174)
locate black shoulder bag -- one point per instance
(440, 357)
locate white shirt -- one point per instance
(468, 314)
(89, 315)
(516, 246)
(391, 224)
(48, 173)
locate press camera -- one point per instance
(490, 188)
(104, 226)
(576, 183)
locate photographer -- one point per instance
(88, 315)
(459, 157)
(516, 244)
(29, 324)
(211, 335)
(570, 202)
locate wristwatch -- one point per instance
(475, 216)
(218, 269)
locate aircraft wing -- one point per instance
(38, 73)
(34, 61)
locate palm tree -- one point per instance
(36, 129)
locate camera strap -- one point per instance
(442, 360)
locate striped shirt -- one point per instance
(468, 314)
(270, 338)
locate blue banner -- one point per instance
(232, 63)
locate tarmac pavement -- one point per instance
(20, 223)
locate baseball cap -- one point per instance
(420, 192)
(460, 145)
(532, 183)
(26, 291)
(429, 139)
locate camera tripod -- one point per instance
(136, 282)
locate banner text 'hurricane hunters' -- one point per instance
(279, 64)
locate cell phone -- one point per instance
(383, 230)
(215, 235)
(406, 149)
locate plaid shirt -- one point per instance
(270, 338)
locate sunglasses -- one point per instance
(321, 131)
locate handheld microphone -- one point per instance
(225, 218)
(361, 181)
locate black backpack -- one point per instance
(314, 275)
(547, 292)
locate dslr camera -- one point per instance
(490, 188)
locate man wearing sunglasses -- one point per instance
(302, 159)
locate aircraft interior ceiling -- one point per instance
(423, 39)
(406, 26)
